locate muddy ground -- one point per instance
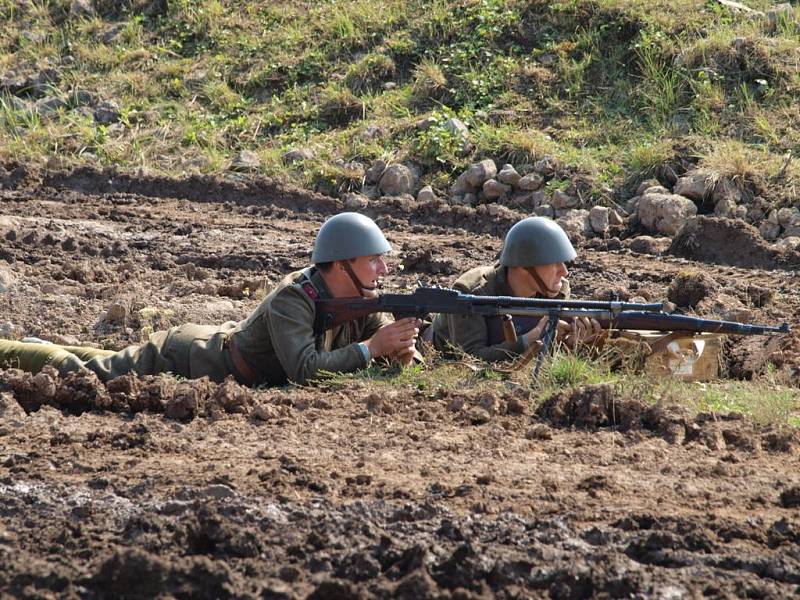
(154, 487)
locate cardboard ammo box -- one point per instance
(685, 356)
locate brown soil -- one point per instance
(154, 487)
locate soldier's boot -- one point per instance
(33, 357)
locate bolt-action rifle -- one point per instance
(610, 314)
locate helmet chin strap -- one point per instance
(356, 281)
(539, 283)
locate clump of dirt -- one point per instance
(423, 260)
(82, 391)
(599, 406)
(689, 288)
(729, 242)
(594, 406)
(751, 355)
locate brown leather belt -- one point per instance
(244, 371)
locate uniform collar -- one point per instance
(501, 281)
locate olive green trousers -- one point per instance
(191, 351)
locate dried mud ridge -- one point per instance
(136, 539)
(707, 239)
(587, 407)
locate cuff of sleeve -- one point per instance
(365, 351)
(525, 342)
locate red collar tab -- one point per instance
(310, 290)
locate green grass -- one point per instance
(610, 87)
(765, 400)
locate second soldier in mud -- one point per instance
(532, 264)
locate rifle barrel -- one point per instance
(668, 322)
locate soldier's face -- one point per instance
(369, 269)
(552, 276)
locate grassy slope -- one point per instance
(613, 88)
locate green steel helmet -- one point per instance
(536, 241)
(348, 235)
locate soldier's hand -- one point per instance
(583, 331)
(562, 329)
(398, 338)
(406, 359)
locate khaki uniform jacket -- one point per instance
(470, 332)
(278, 341)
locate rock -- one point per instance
(81, 8)
(545, 210)
(297, 155)
(479, 173)
(47, 106)
(246, 161)
(508, 175)
(106, 112)
(696, 185)
(78, 98)
(598, 219)
(372, 132)
(370, 191)
(426, 194)
(9, 331)
(575, 223)
(6, 280)
(118, 312)
(470, 199)
(33, 37)
(562, 200)
(493, 189)
(791, 231)
(726, 189)
(645, 244)
(548, 60)
(649, 183)
(373, 174)
(770, 228)
(665, 213)
(10, 409)
(614, 219)
(264, 412)
(397, 179)
(355, 202)
(111, 35)
(726, 207)
(460, 131)
(219, 491)
(32, 84)
(632, 205)
(547, 166)
(461, 186)
(497, 210)
(740, 212)
(526, 200)
(788, 217)
(530, 182)
(788, 243)
(426, 123)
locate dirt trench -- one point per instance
(151, 485)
